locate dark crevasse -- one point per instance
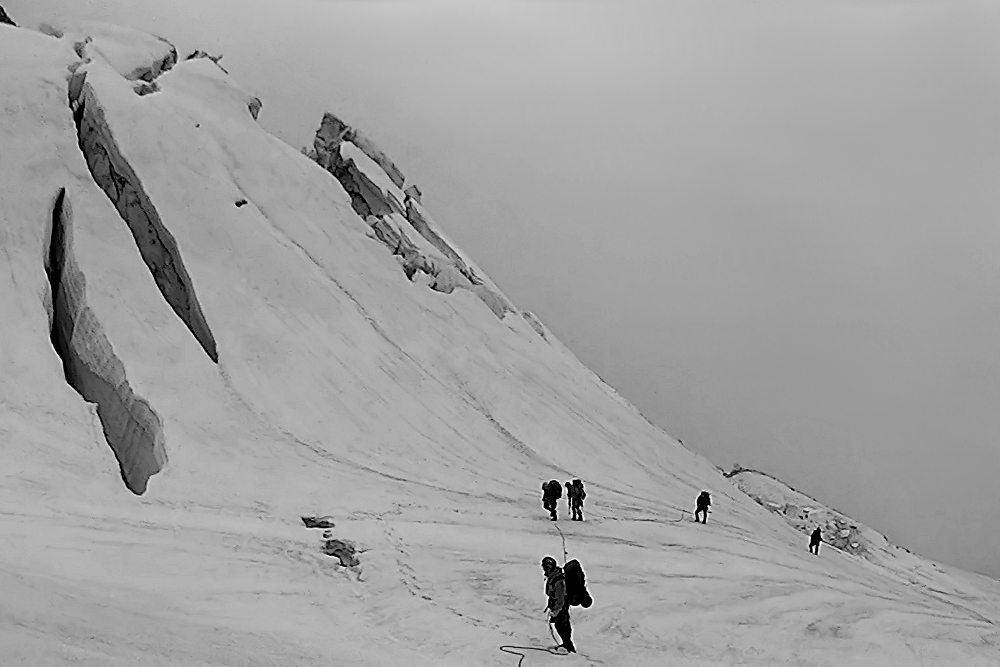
(131, 427)
(121, 184)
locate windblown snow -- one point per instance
(208, 336)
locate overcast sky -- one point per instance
(772, 225)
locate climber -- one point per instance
(814, 540)
(703, 503)
(551, 493)
(557, 607)
(575, 494)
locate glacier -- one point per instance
(208, 336)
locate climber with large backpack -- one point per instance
(702, 504)
(575, 494)
(551, 493)
(557, 607)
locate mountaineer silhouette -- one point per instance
(702, 504)
(814, 540)
(575, 495)
(551, 493)
(557, 607)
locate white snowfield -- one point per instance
(421, 423)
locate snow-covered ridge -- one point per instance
(396, 216)
(806, 513)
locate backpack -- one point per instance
(580, 493)
(576, 585)
(553, 489)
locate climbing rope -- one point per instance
(512, 651)
(515, 650)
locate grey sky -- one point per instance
(771, 225)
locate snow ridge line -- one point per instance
(159, 250)
(131, 427)
(388, 217)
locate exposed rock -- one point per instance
(318, 522)
(342, 549)
(333, 131)
(131, 427)
(414, 193)
(203, 54)
(254, 106)
(374, 152)
(375, 196)
(119, 181)
(143, 88)
(366, 198)
(418, 219)
(804, 513)
(133, 54)
(4, 18)
(156, 68)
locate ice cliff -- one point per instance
(209, 338)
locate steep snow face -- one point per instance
(417, 424)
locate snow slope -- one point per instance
(244, 350)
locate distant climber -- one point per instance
(557, 607)
(814, 540)
(703, 503)
(575, 495)
(551, 493)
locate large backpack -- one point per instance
(576, 585)
(553, 489)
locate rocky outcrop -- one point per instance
(414, 193)
(318, 522)
(143, 88)
(4, 18)
(120, 183)
(136, 55)
(156, 67)
(419, 220)
(131, 427)
(204, 54)
(335, 130)
(254, 105)
(396, 216)
(806, 513)
(343, 550)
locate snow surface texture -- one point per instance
(417, 425)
